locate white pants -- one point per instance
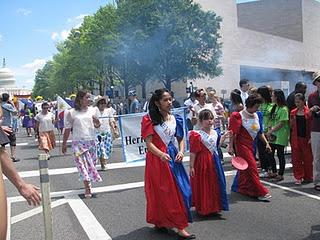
(315, 145)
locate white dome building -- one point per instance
(7, 79)
(8, 83)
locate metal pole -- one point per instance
(45, 190)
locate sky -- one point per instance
(30, 30)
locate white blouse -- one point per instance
(81, 123)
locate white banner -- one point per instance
(133, 146)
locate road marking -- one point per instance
(9, 220)
(292, 190)
(88, 221)
(35, 211)
(104, 189)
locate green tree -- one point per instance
(43, 81)
(171, 40)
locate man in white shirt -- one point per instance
(244, 87)
(190, 103)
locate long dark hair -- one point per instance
(154, 111)
(264, 91)
(235, 96)
(79, 97)
(281, 101)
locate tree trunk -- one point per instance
(168, 83)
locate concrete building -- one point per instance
(8, 82)
(269, 42)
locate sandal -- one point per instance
(317, 187)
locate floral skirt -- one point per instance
(104, 145)
(85, 153)
(47, 140)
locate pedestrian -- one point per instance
(314, 106)
(244, 88)
(103, 133)
(28, 191)
(45, 121)
(8, 110)
(189, 104)
(201, 97)
(278, 133)
(146, 104)
(300, 87)
(134, 103)
(28, 119)
(208, 182)
(83, 120)
(175, 102)
(167, 185)
(301, 151)
(265, 109)
(244, 127)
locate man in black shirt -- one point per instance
(300, 87)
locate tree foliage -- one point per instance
(135, 42)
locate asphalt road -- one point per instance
(117, 210)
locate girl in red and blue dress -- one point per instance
(245, 126)
(167, 185)
(208, 182)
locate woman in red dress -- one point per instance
(167, 185)
(245, 127)
(208, 182)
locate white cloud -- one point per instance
(23, 12)
(63, 35)
(0, 38)
(74, 22)
(55, 36)
(35, 65)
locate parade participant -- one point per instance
(83, 120)
(278, 133)
(104, 135)
(265, 109)
(301, 152)
(28, 119)
(314, 106)
(208, 182)
(45, 121)
(237, 104)
(244, 127)
(167, 185)
(8, 110)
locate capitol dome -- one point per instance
(7, 79)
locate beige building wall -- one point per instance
(245, 47)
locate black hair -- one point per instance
(5, 97)
(79, 97)
(281, 101)
(253, 99)
(205, 114)
(300, 96)
(45, 104)
(299, 85)
(242, 82)
(235, 96)
(264, 92)
(154, 112)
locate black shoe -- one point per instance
(191, 236)
(15, 159)
(161, 229)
